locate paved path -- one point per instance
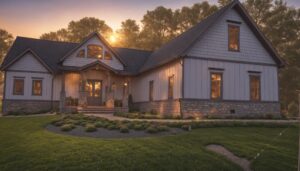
(112, 117)
(34, 115)
(242, 162)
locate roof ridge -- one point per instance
(133, 49)
(54, 41)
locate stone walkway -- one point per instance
(242, 162)
(34, 115)
(112, 117)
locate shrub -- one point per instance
(58, 123)
(293, 109)
(152, 129)
(67, 127)
(99, 124)
(112, 126)
(90, 128)
(186, 127)
(124, 129)
(153, 112)
(162, 128)
(138, 127)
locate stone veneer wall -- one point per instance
(28, 106)
(166, 107)
(239, 109)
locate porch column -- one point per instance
(82, 101)
(125, 94)
(110, 99)
(62, 94)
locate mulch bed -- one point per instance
(112, 134)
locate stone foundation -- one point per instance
(234, 109)
(28, 106)
(166, 107)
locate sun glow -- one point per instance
(113, 38)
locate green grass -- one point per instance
(26, 145)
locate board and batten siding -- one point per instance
(29, 68)
(235, 80)
(72, 60)
(214, 43)
(140, 84)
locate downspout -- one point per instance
(182, 86)
(4, 94)
(52, 103)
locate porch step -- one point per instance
(96, 110)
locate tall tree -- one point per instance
(223, 3)
(6, 40)
(190, 16)
(78, 30)
(60, 35)
(158, 27)
(128, 35)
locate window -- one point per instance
(171, 87)
(216, 86)
(94, 51)
(81, 53)
(18, 88)
(107, 55)
(151, 86)
(233, 38)
(37, 87)
(254, 87)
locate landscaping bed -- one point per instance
(90, 126)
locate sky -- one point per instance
(31, 18)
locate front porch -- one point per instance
(93, 89)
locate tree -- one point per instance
(190, 16)
(60, 35)
(78, 30)
(128, 35)
(6, 40)
(223, 3)
(158, 28)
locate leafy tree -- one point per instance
(158, 27)
(6, 40)
(78, 30)
(223, 3)
(128, 35)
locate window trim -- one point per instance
(239, 44)
(259, 88)
(106, 52)
(77, 55)
(151, 90)
(87, 51)
(171, 97)
(14, 85)
(210, 82)
(32, 86)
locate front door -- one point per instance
(94, 88)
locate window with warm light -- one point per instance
(81, 53)
(94, 51)
(107, 55)
(18, 87)
(37, 87)
(216, 86)
(171, 87)
(151, 88)
(254, 87)
(233, 38)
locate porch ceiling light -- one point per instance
(125, 84)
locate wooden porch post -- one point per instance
(110, 99)
(62, 95)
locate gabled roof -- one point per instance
(88, 38)
(52, 53)
(178, 47)
(49, 52)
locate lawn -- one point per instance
(26, 145)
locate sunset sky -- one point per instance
(31, 18)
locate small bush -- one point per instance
(124, 129)
(153, 112)
(99, 124)
(152, 129)
(162, 128)
(138, 127)
(90, 128)
(58, 123)
(112, 126)
(67, 127)
(186, 127)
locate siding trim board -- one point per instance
(27, 71)
(225, 60)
